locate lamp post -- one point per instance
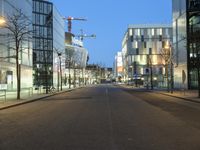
(131, 73)
(69, 61)
(38, 66)
(60, 55)
(171, 70)
(75, 74)
(19, 73)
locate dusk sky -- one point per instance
(109, 19)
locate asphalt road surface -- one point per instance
(102, 117)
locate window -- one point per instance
(160, 37)
(142, 38)
(150, 51)
(132, 38)
(145, 44)
(137, 32)
(159, 31)
(137, 51)
(152, 32)
(163, 44)
(130, 32)
(136, 44)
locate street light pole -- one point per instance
(59, 55)
(69, 74)
(19, 85)
(171, 69)
(37, 66)
(151, 69)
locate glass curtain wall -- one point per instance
(7, 47)
(43, 43)
(193, 11)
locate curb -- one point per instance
(37, 99)
(183, 98)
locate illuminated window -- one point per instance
(152, 32)
(137, 32)
(130, 32)
(159, 31)
(136, 44)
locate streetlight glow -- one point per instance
(167, 45)
(2, 20)
(155, 78)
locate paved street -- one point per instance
(102, 117)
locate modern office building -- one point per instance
(8, 78)
(76, 59)
(48, 41)
(141, 49)
(186, 42)
(58, 47)
(39, 60)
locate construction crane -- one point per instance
(69, 19)
(82, 35)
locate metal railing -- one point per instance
(3, 94)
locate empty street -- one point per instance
(103, 117)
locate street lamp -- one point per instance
(2, 21)
(59, 56)
(19, 74)
(38, 66)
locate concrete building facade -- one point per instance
(141, 49)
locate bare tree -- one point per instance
(19, 27)
(69, 58)
(167, 56)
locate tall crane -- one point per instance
(82, 35)
(69, 19)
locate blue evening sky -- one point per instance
(109, 19)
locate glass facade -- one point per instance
(193, 20)
(49, 37)
(7, 45)
(180, 43)
(58, 46)
(43, 43)
(186, 39)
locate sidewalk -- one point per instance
(26, 97)
(188, 95)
